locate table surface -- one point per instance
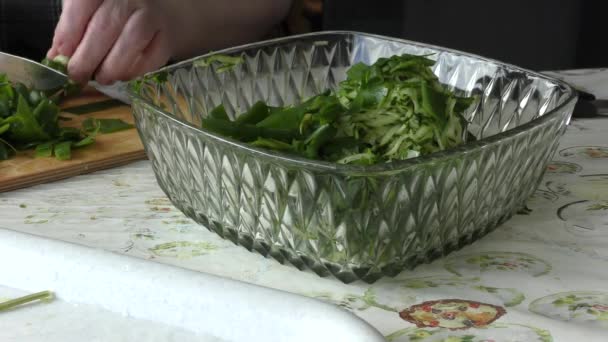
(541, 276)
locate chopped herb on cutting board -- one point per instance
(30, 119)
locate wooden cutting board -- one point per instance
(110, 150)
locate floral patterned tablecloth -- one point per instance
(542, 276)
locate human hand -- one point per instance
(112, 40)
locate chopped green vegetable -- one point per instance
(24, 126)
(94, 107)
(13, 303)
(272, 144)
(44, 150)
(21, 89)
(285, 118)
(7, 96)
(105, 126)
(46, 113)
(219, 113)
(224, 62)
(70, 88)
(258, 112)
(59, 63)
(404, 111)
(84, 142)
(160, 77)
(5, 150)
(245, 132)
(318, 138)
(63, 150)
(70, 133)
(393, 109)
(4, 128)
(29, 119)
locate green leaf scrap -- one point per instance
(105, 126)
(223, 62)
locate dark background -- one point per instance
(27, 26)
(536, 34)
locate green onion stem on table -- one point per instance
(13, 303)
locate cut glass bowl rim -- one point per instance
(378, 168)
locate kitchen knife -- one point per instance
(41, 77)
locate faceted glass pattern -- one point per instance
(352, 222)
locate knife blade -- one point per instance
(41, 77)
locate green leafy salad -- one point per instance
(394, 109)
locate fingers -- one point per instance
(139, 46)
(72, 25)
(101, 33)
(153, 57)
(114, 39)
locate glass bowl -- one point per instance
(352, 222)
